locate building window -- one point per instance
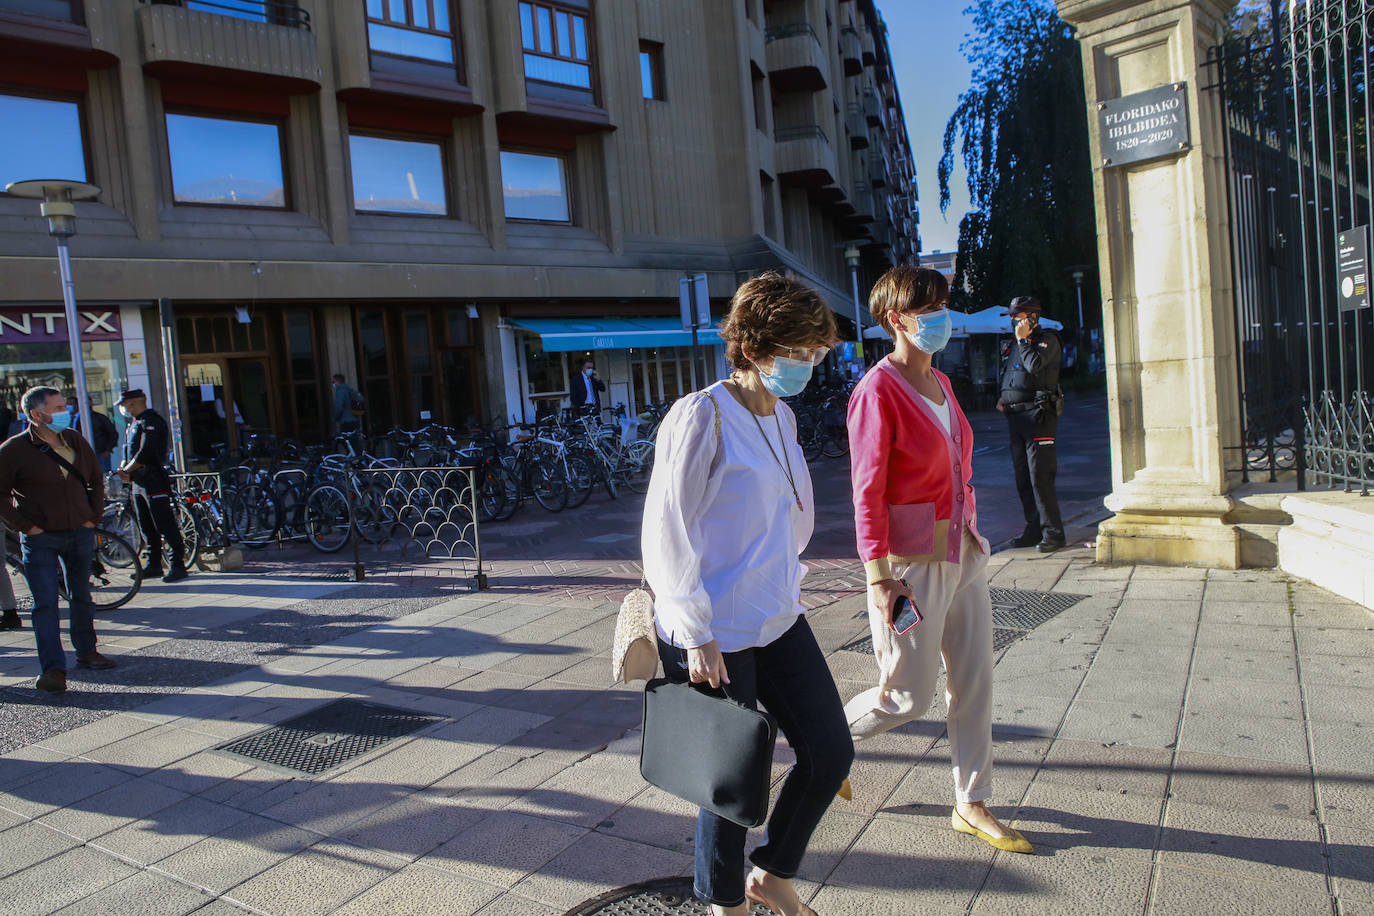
(417, 29)
(397, 176)
(555, 39)
(535, 187)
(43, 139)
(225, 162)
(651, 69)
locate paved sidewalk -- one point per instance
(1179, 741)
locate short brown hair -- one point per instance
(904, 288)
(772, 311)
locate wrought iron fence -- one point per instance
(1299, 165)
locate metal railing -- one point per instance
(275, 12)
(799, 132)
(790, 30)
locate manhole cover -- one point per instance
(1015, 612)
(661, 897)
(323, 738)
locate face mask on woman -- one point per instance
(932, 331)
(789, 376)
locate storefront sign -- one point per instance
(48, 325)
(1143, 126)
(1352, 262)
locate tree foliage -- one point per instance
(1021, 131)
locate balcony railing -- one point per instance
(62, 10)
(802, 132)
(790, 30)
(274, 12)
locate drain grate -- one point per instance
(1015, 612)
(324, 738)
(661, 897)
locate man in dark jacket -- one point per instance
(345, 417)
(587, 387)
(146, 469)
(103, 436)
(52, 493)
(1031, 400)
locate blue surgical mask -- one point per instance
(932, 332)
(60, 421)
(789, 376)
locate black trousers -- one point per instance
(1035, 456)
(155, 517)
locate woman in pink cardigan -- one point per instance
(911, 453)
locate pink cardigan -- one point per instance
(912, 490)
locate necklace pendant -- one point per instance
(799, 505)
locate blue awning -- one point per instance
(563, 335)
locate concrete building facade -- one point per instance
(447, 201)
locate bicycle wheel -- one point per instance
(835, 442)
(115, 573)
(491, 495)
(515, 498)
(548, 486)
(581, 479)
(371, 514)
(327, 519)
(253, 515)
(290, 499)
(192, 538)
(639, 457)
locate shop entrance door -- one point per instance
(227, 400)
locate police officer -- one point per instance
(146, 469)
(1032, 401)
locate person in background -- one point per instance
(587, 388)
(911, 459)
(52, 492)
(345, 418)
(104, 436)
(728, 513)
(1032, 401)
(146, 469)
(9, 607)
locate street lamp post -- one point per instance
(58, 196)
(851, 255)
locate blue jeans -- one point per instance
(42, 553)
(790, 678)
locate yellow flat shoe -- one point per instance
(846, 790)
(1014, 843)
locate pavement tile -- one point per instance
(1246, 636)
(594, 864)
(1345, 745)
(1150, 633)
(1235, 696)
(1352, 868)
(1028, 714)
(566, 740)
(1064, 816)
(1334, 641)
(580, 795)
(315, 881)
(1347, 796)
(67, 782)
(25, 764)
(1167, 589)
(1138, 771)
(413, 826)
(1219, 609)
(491, 727)
(1266, 738)
(112, 809)
(236, 853)
(1140, 724)
(833, 838)
(1079, 880)
(98, 734)
(169, 830)
(1332, 703)
(1338, 670)
(505, 846)
(834, 900)
(1332, 614)
(1243, 784)
(1182, 890)
(1251, 664)
(199, 772)
(29, 844)
(655, 818)
(918, 856)
(1107, 685)
(420, 891)
(512, 904)
(1245, 844)
(1166, 661)
(53, 883)
(141, 894)
(157, 747)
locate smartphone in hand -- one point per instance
(905, 616)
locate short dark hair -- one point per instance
(772, 311)
(338, 377)
(906, 287)
(35, 397)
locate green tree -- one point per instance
(1021, 131)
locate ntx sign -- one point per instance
(45, 325)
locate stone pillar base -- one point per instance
(1331, 543)
(1164, 526)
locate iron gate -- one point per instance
(1298, 157)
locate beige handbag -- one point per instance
(634, 656)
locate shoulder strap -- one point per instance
(716, 406)
(51, 452)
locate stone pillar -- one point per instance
(1163, 251)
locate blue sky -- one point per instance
(924, 36)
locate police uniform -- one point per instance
(1031, 398)
(149, 438)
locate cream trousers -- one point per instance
(956, 625)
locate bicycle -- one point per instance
(119, 517)
(116, 574)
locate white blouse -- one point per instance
(722, 533)
(941, 412)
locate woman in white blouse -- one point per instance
(727, 516)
